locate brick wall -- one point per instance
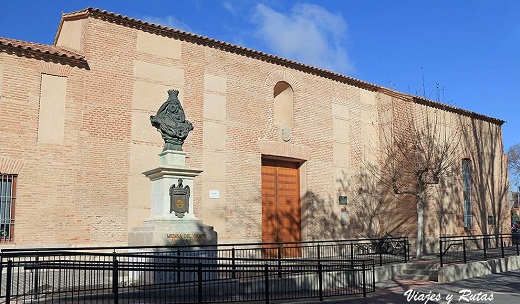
(45, 211)
(90, 190)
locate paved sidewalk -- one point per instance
(502, 288)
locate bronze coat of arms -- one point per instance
(179, 199)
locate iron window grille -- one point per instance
(7, 204)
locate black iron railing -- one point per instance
(462, 249)
(197, 274)
(164, 277)
(385, 250)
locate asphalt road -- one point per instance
(503, 288)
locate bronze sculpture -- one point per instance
(171, 122)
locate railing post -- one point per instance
(502, 245)
(319, 251)
(464, 251)
(178, 266)
(36, 279)
(409, 246)
(279, 261)
(8, 281)
(320, 280)
(440, 251)
(266, 280)
(115, 280)
(233, 265)
(199, 281)
(517, 248)
(373, 269)
(405, 241)
(364, 281)
(351, 250)
(485, 253)
(380, 247)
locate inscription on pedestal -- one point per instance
(179, 199)
(194, 236)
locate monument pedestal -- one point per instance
(172, 221)
(187, 232)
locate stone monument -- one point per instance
(172, 220)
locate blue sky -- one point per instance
(461, 52)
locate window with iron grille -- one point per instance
(7, 203)
(466, 188)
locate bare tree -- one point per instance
(513, 162)
(418, 150)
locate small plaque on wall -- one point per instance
(343, 200)
(214, 194)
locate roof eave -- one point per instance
(42, 52)
(197, 39)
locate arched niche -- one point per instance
(283, 104)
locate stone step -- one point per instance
(421, 271)
(417, 271)
(415, 277)
(428, 266)
(434, 276)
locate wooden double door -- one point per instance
(281, 209)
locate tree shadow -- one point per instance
(414, 163)
(483, 145)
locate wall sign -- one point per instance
(214, 194)
(343, 218)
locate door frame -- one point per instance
(302, 169)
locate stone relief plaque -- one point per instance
(286, 134)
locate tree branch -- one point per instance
(398, 191)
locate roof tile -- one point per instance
(178, 34)
(41, 48)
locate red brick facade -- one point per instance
(88, 188)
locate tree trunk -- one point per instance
(420, 223)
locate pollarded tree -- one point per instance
(418, 151)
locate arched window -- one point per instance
(283, 105)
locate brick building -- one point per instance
(75, 138)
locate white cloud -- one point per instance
(309, 34)
(169, 21)
(229, 6)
